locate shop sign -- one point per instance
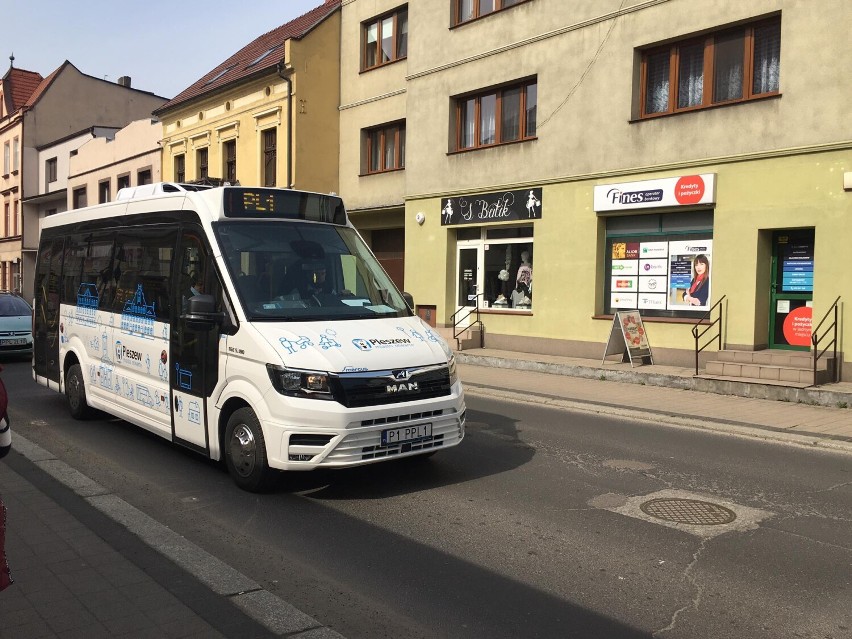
(503, 206)
(686, 190)
(628, 338)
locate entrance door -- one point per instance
(792, 289)
(194, 350)
(467, 277)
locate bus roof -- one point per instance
(211, 204)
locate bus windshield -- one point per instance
(297, 271)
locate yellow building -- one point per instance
(566, 162)
(267, 115)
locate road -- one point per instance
(533, 527)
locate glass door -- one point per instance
(467, 289)
(792, 289)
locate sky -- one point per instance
(163, 45)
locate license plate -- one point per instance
(13, 342)
(406, 434)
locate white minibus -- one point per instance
(252, 325)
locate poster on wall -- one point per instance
(689, 275)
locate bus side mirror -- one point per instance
(200, 313)
(409, 299)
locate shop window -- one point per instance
(467, 10)
(496, 116)
(659, 264)
(730, 65)
(504, 257)
(385, 39)
(386, 148)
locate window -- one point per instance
(7, 221)
(270, 157)
(466, 10)
(180, 168)
(386, 148)
(201, 161)
(504, 255)
(660, 264)
(103, 191)
(16, 225)
(122, 182)
(50, 170)
(385, 39)
(16, 153)
(229, 153)
(143, 177)
(7, 158)
(497, 116)
(78, 198)
(733, 65)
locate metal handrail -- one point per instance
(458, 320)
(698, 335)
(816, 338)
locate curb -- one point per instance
(741, 429)
(815, 396)
(261, 605)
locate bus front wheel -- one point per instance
(75, 390)
(245, 451)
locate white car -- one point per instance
(16, 325)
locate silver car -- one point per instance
(16, 325)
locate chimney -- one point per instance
(124, 81)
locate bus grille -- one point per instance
(391, 387)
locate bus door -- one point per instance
(194, 357)
(46, 311)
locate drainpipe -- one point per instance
(284, 72)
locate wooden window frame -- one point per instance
(397, 129)
(229, 169)
(499, 5)
(202, 160)
(459, 102)
(269, 156)
(708, 87)
(180, 167)
(377, 22)
(50, 170)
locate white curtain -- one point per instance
(767, 58)
(690, 90)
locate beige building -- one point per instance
(567, 163)
(59, 107)
(265, 116)
(104, 165)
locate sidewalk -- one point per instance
(820, 416)
(87, 564)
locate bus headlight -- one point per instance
(297, 383)
(454, 377)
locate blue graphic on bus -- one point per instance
(184, 377)
(138, 317)
(194, 412)
(88, 301)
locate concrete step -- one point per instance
(790, 359)
(767, 373)
(751, 380)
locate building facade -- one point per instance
(565, 162)
(265, 116)
(373, 110)
(62, 105)
(103, 166)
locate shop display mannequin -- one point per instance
(522, 295)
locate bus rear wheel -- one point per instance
(245, 451)
(75, 391)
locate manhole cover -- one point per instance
(688, 511)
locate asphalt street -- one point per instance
(534, 527)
